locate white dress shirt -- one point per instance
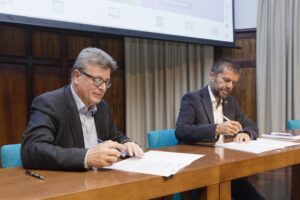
(87, 121)
(217, 112)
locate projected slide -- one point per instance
(196, 8)
(207, 19)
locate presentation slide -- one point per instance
(204, 19)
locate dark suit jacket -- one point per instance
(195, 121)
(54, 137)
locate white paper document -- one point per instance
(157, 163)
(258, 146)
(281, 136)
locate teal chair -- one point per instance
(293, 124)
(163, 138)
(11, 156)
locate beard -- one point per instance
(220, 92)
(223, 93)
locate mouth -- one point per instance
(99, 95)
(224, 92)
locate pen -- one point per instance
(123, 154)
(33, 174)
(227, 119)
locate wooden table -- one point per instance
(236, 164)
(240, 164)
(214, 172)
(111, 184)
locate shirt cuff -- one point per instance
(85, 160)
(123, 142)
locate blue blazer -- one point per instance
(54, 137)
(195, 122)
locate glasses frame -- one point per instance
(97, 81)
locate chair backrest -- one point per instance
(293, 124)
(162, 138)
(11, 156)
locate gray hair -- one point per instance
(94, 56)
(218, 66)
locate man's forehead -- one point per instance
(229, 74)
(229, 71)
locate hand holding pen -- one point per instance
(228, 127)
(237, 124)
(132, 149)
(123, 153)
(240, 135)
(104, 154)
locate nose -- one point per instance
(102, 86)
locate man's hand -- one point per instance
(228, 128)
(242, 137)
(133, 149)
(104, 154)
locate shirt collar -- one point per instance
(212, 97)
(81, 106)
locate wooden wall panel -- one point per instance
(76, 43)
(12, 40)
(13, 101)
(45, 79)
(46, 44)
(245, 53)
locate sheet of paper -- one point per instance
(157, 163)
(281, 135)
(258, 146)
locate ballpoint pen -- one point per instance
(33, 174)
(123, 154)
(227, 119)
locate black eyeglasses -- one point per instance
(97, 80)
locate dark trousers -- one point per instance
(241, 189)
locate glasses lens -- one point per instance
(98, 82)
(108, 84)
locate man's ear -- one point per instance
(76, 75)
(212, 76)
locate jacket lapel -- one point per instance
(74, 119)
(224, 105)
(98, 118)
(205, 99)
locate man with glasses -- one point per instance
(71, 128)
